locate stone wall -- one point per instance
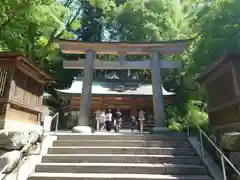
(12, 124)
(235, 159)
(14, 145)
(2, 123)
(230, 142)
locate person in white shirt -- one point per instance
(108, 121)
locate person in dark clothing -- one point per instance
(108, 120)
(133, 123)
(118, 120)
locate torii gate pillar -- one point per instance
(158, 100)
(86, 96)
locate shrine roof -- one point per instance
(49, 98)
(227, 56)
(19, 57)
(165, 47)
(113, 88)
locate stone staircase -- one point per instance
(121, 157)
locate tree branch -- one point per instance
(6, 22)
(12, 15)
(54, 36)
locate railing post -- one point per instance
(223, 168)
(56, 128)
(201, 141)
(41, 143)
(98, 124)
(188, 132)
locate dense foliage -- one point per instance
(31, 26)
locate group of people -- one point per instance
(111, 121)
(108, 120)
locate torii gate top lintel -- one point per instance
(142, 48)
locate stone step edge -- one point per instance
(129, 137)
(168, 134)
(127, 176)
(120, 147)
(167, 165)
(120, 155)
(112, 140)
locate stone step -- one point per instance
(109, 176)
(163, 136)
(126, 125)
(120, 158)
(125, 168)
(132, 143)
(121, 150)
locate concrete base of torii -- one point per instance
(82, 129)
(159, 130)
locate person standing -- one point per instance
(118, 120)
(133, 123)
(141, 119)
(108, 120)
(102, 121)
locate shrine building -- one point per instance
(129, 97)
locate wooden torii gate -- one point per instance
(154, 49)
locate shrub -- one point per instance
(195, 116)
(175, 126)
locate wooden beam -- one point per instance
(99, 64)
(140, 51)
(167, 47)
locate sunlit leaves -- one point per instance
(105, 5)
(219, 32)
(35, 15)
(153, 20)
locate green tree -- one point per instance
(218, 30)
(31, 26)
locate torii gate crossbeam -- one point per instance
(123, 49)
(142, 64)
